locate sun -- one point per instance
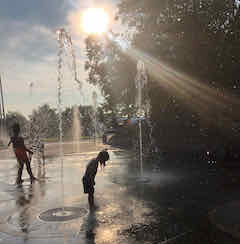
(95, 21)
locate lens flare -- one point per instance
(95, 20)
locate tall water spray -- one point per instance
(76, 129)
(140, 82)
(64, 44)
(94, 97)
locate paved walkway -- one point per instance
(33, 214)
(55, 210)
(227, 218)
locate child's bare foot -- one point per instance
(90, 234)
(93, 208)
(33, 179)
(19, 182)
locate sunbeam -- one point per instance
(211, 103)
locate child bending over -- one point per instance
(90, 173)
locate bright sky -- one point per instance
(28, 48)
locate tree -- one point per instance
(114, 72)
(67, 122)
(43, 122)
(198, 37)
(87, 121)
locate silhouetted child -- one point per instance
(90, 173)
(20, 152)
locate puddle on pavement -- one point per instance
(120, 218)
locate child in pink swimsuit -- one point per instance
(21, 153)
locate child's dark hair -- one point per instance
(16, 128)
(103, 155)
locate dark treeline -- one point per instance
(191, 51)
(44, 122)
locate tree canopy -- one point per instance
(196, 37)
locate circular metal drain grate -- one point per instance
(62, 214)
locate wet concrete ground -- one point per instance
(165, 205)
(55, 210)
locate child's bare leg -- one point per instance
(43, 157)
(91, 200)
(20, 169)
(29, 170)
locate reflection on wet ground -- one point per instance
(171, 205)
(33, 213)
